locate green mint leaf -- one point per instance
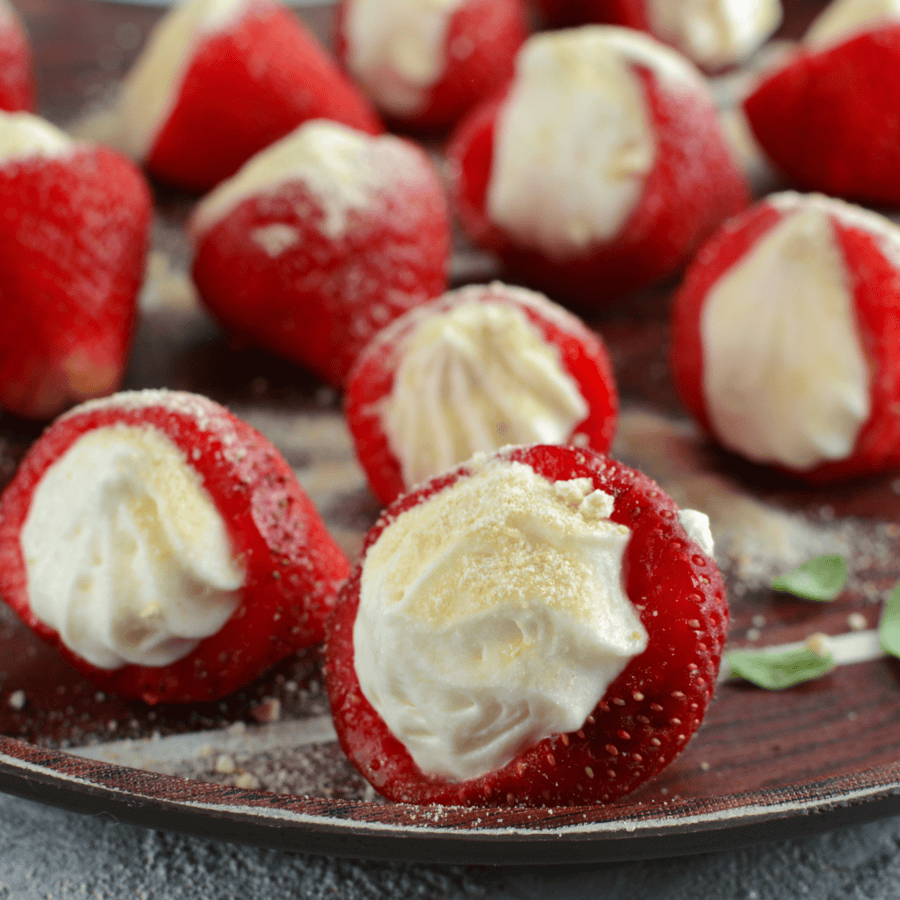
(822, 578)
(889, 626)
(779, 669)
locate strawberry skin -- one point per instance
(16, 75)
(871, 271)
(809, 119)
(318, 301)
(483, 37)
(647, 714)
(245, 87)
(693, 186)
(292, 564)
(581, 353)
(72, 249)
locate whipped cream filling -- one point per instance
(126, 556)
(574, 143)
(150, 90)
(842, 19)
(714, 33)
(493, 615)
(476, 377)
(343, 168)
(785, 374)
(23, 135)
(396, 48)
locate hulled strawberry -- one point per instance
(827, 117)
(481, 367)
(713, 33)
(602, 168)
(540, 626)
(786, 337)
(320, 241)
(425, 64)
(164, 547)
(73, 240)
(16, 76)
(218, 81)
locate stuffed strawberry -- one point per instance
(786, 337)
(426, 63)
(600, 171)
(16, 77)
(828, 118)
(73, 240)
(540, 626)
(165, 548)
(220, 80)
(320, 241)
(477, 369)
(713, 33)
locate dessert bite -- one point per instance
(842, 18)
(320, 241)
(785, 338)
(479, 368)
(425, 63)
(713, 33)
(16, 75)
(73, 241)
(218, 81)
(601, 169)
(165, 548)
(827, 117)
(540, 626)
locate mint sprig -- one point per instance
(779, 669)
(821, 578)
(889, 626)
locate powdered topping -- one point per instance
(493, 615)
(714, 32)
(126, 556)
(150, 90)
(774, 394)
(396, 48)
(842, 19)
(342, 168)
(573, 143)
(23, 136)
(475, 377)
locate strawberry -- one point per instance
(320, 241)
(713, 34)
(592, 184)
(532, 370)
(808, 117)
(649, 709)
(425, 67)
(220, 80)
(16, 76)
(164, 547)
(73, 242)
(805, 290)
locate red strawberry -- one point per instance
(117, 488)
(646, 714)
(72, 246)
(713, 34)
(479, 368)
(222, 79)
(805, 291)
(320, 241)
(425, 65)
(584, 211)
(16, 78)
(809, 118)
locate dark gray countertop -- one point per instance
(50, 853)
